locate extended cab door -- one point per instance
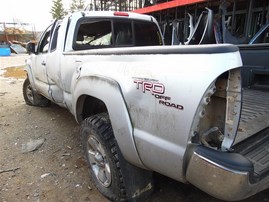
(47, 64)
(53, 65)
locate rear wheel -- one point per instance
(102, 154)
(31, 97)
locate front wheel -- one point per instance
(31, 97)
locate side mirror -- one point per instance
(30, 47)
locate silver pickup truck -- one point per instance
(145, 107)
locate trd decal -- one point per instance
(157, 90)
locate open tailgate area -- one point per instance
(255, 120)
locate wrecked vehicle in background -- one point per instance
(144, 107)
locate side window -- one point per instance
(54, 39)
(43, 46)
(123, 33)
(147, 34)
(93, 34)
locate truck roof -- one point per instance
(112, 14)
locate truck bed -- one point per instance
(255, 120)
(255, 113)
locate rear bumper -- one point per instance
(227, 176)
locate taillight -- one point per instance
(121, 14)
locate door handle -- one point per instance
(43, 63)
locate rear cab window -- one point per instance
(146, 34)
(104, 33)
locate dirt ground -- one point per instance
(56, 171)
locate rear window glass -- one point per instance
(147, 34)
(93, 33)
(104, 33)
(123, 33)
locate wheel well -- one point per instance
(88, 106)
(215, 108)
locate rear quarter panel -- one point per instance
(161, 93)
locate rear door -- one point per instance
(53, 66)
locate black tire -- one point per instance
(31, 97)
(102, 155)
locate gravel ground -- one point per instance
(56, 170)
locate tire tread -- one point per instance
(100, 124)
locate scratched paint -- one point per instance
(14, 72)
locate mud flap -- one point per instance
(138, 182)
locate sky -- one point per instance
(36, 12)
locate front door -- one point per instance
(39, 63)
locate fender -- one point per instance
(109, 91)
(28, 70)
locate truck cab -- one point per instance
(84, 31)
